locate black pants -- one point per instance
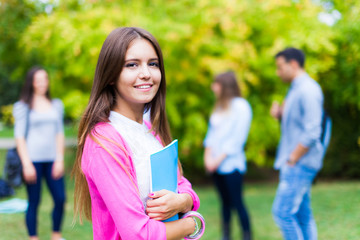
(229, 187)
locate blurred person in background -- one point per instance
(224, 155)
(301, 148)
(39, 134)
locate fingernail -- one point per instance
(152, 194)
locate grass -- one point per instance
(335, 204)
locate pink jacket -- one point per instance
(117, 211)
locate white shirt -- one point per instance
(142, 144)
(227, 134)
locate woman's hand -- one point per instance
(57, 169)
(165, 204)
(29, 173)
(209, 162)
(210, 165)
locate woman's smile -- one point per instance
(144, 87)
(140, 77)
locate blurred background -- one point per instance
(200, 38)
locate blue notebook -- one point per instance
(164, 165)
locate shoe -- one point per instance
(226, 231)
(246, 236)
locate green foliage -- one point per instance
(75, 102)
(6, 115)
(200, 39)
(342, 94)
(15, 15)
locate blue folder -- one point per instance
(164, 165)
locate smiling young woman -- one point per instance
(139, 80)
(112, 168)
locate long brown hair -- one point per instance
(102, 101)
(27, 93)
(229, 89)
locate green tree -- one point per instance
(200, 39)
(15, 15)
(342, 93)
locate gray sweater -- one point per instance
(42, 129)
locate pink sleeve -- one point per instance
(184, 186)
(120, 196)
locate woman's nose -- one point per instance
(145, 73)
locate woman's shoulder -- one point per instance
(105, 137)
(106, 134)
(21, 104)
(240, 103)
(101, 135)
(57, 103)
(20, 108)
(103, 129)
(58, 106)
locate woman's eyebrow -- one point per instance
(131, 59)
(136, 59)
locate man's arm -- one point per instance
(311, 103)
(298, 152)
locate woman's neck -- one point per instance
(222, 105)
(134, 113)
(40, 97)
(40, 103)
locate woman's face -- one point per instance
(41, 82)
(140, 77)
(216, 88)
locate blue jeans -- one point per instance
(57, 190)
(292, 208)
(230, 188)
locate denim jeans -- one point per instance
(292, 208)
(57, 190)
(230, 188)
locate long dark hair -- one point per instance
(102, 101)
(27, 93)
(229, 88)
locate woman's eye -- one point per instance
(130, 65)
(154, 64)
